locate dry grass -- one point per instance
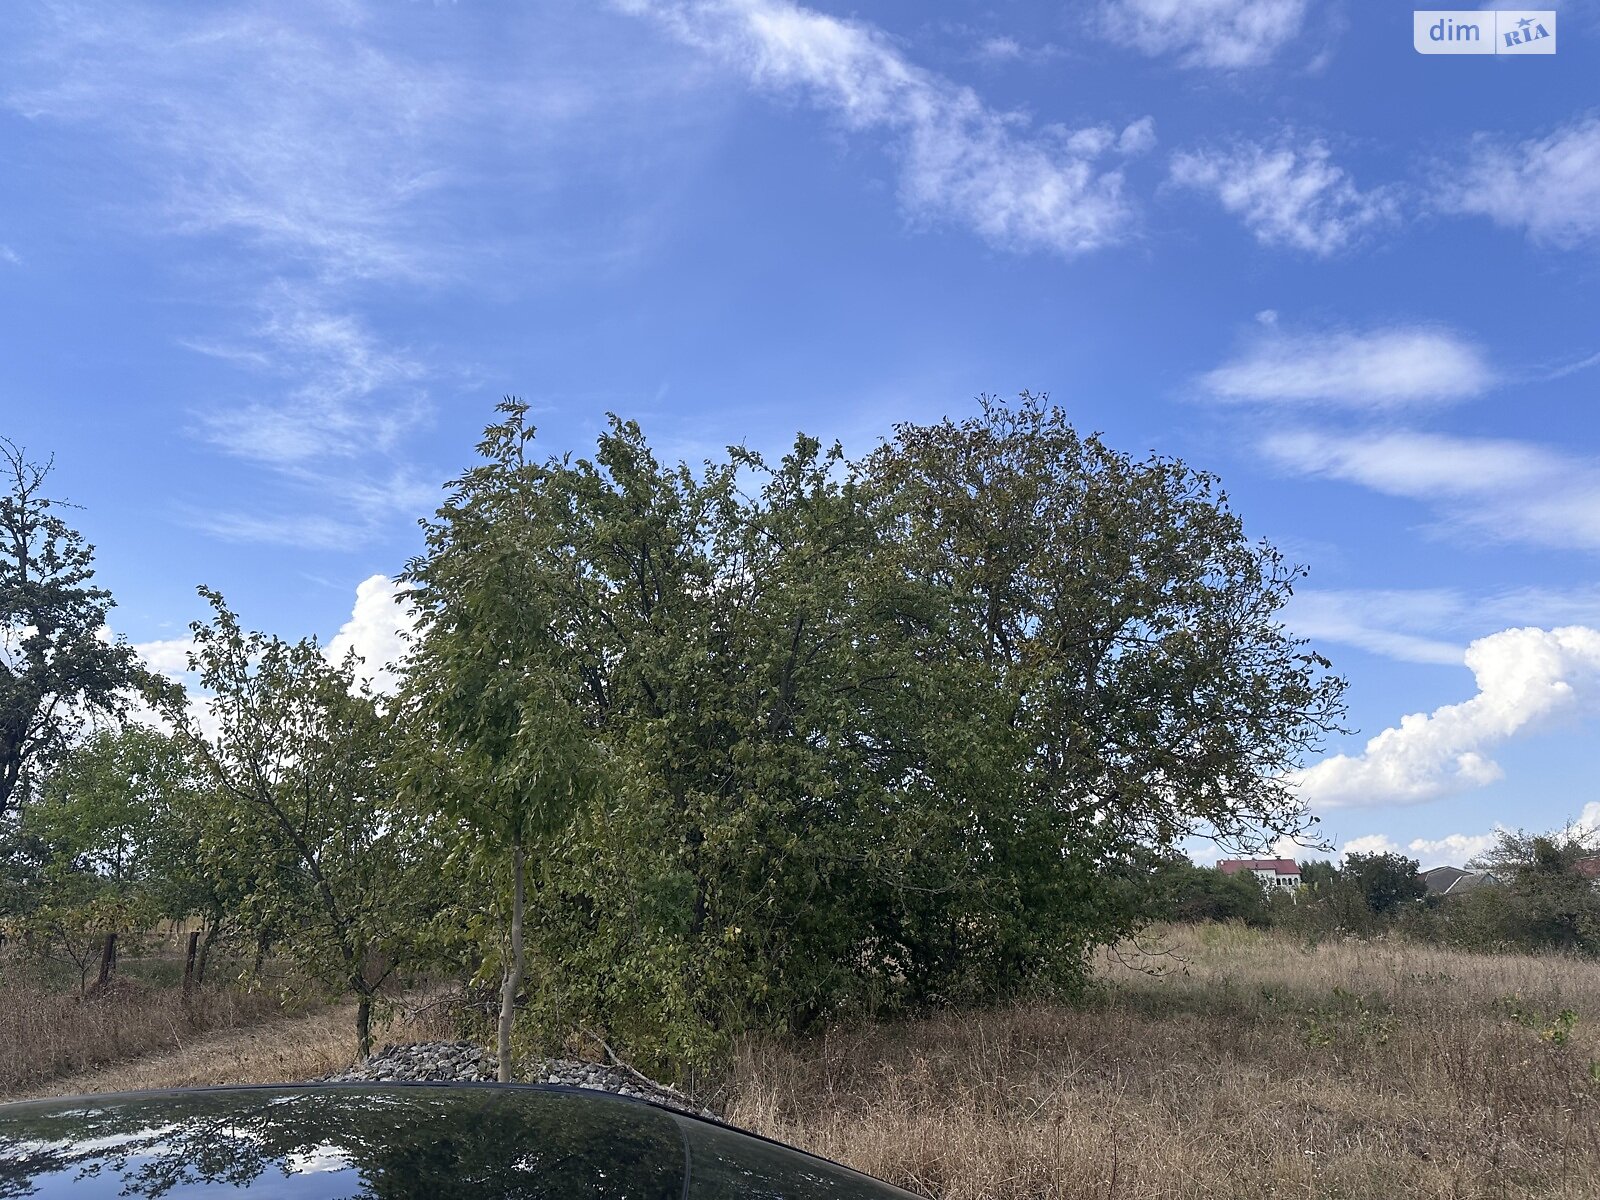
(143, 1038)
(1257, 1067)
(49, 1033)
(271, 1051)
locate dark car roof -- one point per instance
(397, 1142)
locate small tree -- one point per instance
(1551, 901)
(495, 744)
(1384, 881)
(113, 853)
(298, 758)
(56, 665)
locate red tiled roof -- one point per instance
(1589, 867)
(1278, 866)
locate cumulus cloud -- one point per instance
(1206, 33)
(376, 632)
(167, 656)
(1287, 195)
(1455, 849)
(1501, 489)
(1372, 843)
(1547, 187)
(1526, 680)
(1382, 368)
(960, 160)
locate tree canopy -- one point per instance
(876, 732)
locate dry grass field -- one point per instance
(1253, 1065)
(1257, 1066)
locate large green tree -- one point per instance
(57, 666)
(877, 733)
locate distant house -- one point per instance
(1272, 872)
(1589, 868)
(1456, 881)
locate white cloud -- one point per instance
(376, 632)
(1206, 33)
(1384, 368)
(1548, 187)
(1455, 849)
(349, 394)
(1372, 843)
(1138, 138)
(960, 160)
(1287, 195)
(168, 656)
(323, 163)
(1526, 679)
(8, 255)
(1500, 489)
(1000, 49)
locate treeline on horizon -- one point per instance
(1544, 895)
(682, 752)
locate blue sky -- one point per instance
(265, 269)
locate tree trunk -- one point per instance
(108, 960)
(189, 962)
(512, 983)
(364, 1027)
(262, 945)
(205, 951)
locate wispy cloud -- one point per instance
(307, 161)
(346, 393)
(305, 139)
(1396, 624)
(1496, 489)
(1526, 679)
(1288, 195)
(1548, 187)
(8, 255)
(1432, 625)
(960, 160)
(1220, 34)
(1382, 368)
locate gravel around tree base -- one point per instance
(465, 1062)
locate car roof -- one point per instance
(635, 1145)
